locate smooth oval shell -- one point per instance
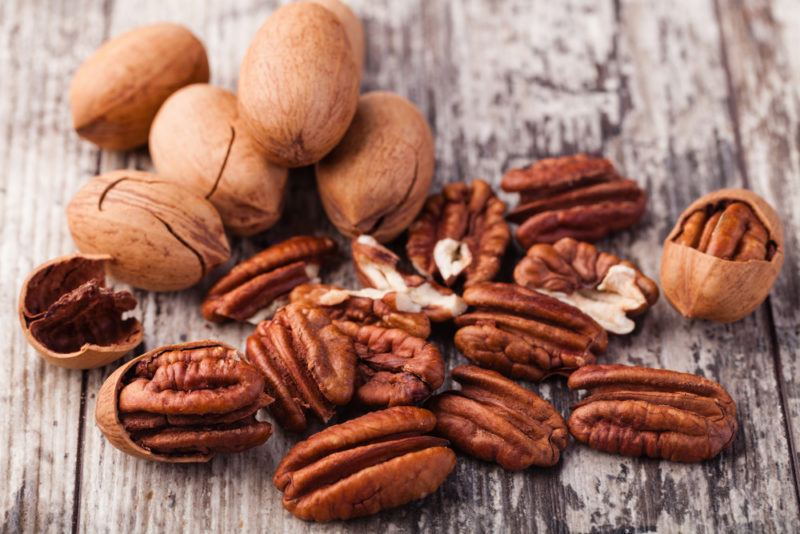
(117, 91)
(352, 25)
(376, 180)
(703, 286)
(197, 141)
(298, 84)
(161, 237)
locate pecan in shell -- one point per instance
(602, 285)
(638, 411)
(525, 334)
(378, 461)
(460, 231)
(497, 420)
(576, 196)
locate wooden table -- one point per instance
(687, 96)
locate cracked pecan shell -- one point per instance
(309, 365)
(525, 334)
(72, 319)
(460, 231)
(262, 283)
(184, 403)
(497, 420)
(603, 286)
(638, 411)
(576, 196)
(378, 461)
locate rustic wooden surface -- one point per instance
(686, 96)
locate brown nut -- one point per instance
(497, 420)
(117, 91)
(378, 461)
(376, 180)
(183, 403)
(606, 288)
(308, 364)
(352, 26)
(377, 267)
(460, 231)
(159, 236)
(576, 196)
(723, 256)
(258, 286)
(198, 141)
(299, 84)
(360, 307)
(637, 411)
(72, 319)
(525, 334)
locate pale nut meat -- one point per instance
(115, 93)
(183, 403)
(377, 268)
(460, 232)
(159, 236)
(375, 181)
(198, 141)
(375, 462)
(257, 287)
(299, 84)
(603, 286)
(497, 420)
(72, 319)
(723, 256)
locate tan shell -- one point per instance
(298, 84)
(89, 356)
(117, 91)
(376, 180)
(197, 140)
(352, 25)
(160, 236)
(702, 286)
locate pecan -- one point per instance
(378, 461)
(184, 403)
(262, 282)
(576, 196)
(603, 286)
(308, 364)
(364, 306)
(460, 230)
(377, 267)
(637, 411)
(497, 420)
(525, 334)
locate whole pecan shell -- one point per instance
(605, 287)
(638, 411)
(576, 196)
(460, 231)
(525, 334)
(262, 280)
(497, 420)
(184, 403)
(378, 461)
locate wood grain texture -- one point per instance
(686, 96)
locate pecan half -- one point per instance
(497, 420)
(378, 461)
(575, 196)
(525, 334)
(377, 267)
(601, 285)
(637, 411)
(308, 364)
(261, 283)
(184, 403)
(364, 306)
(460, 231)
